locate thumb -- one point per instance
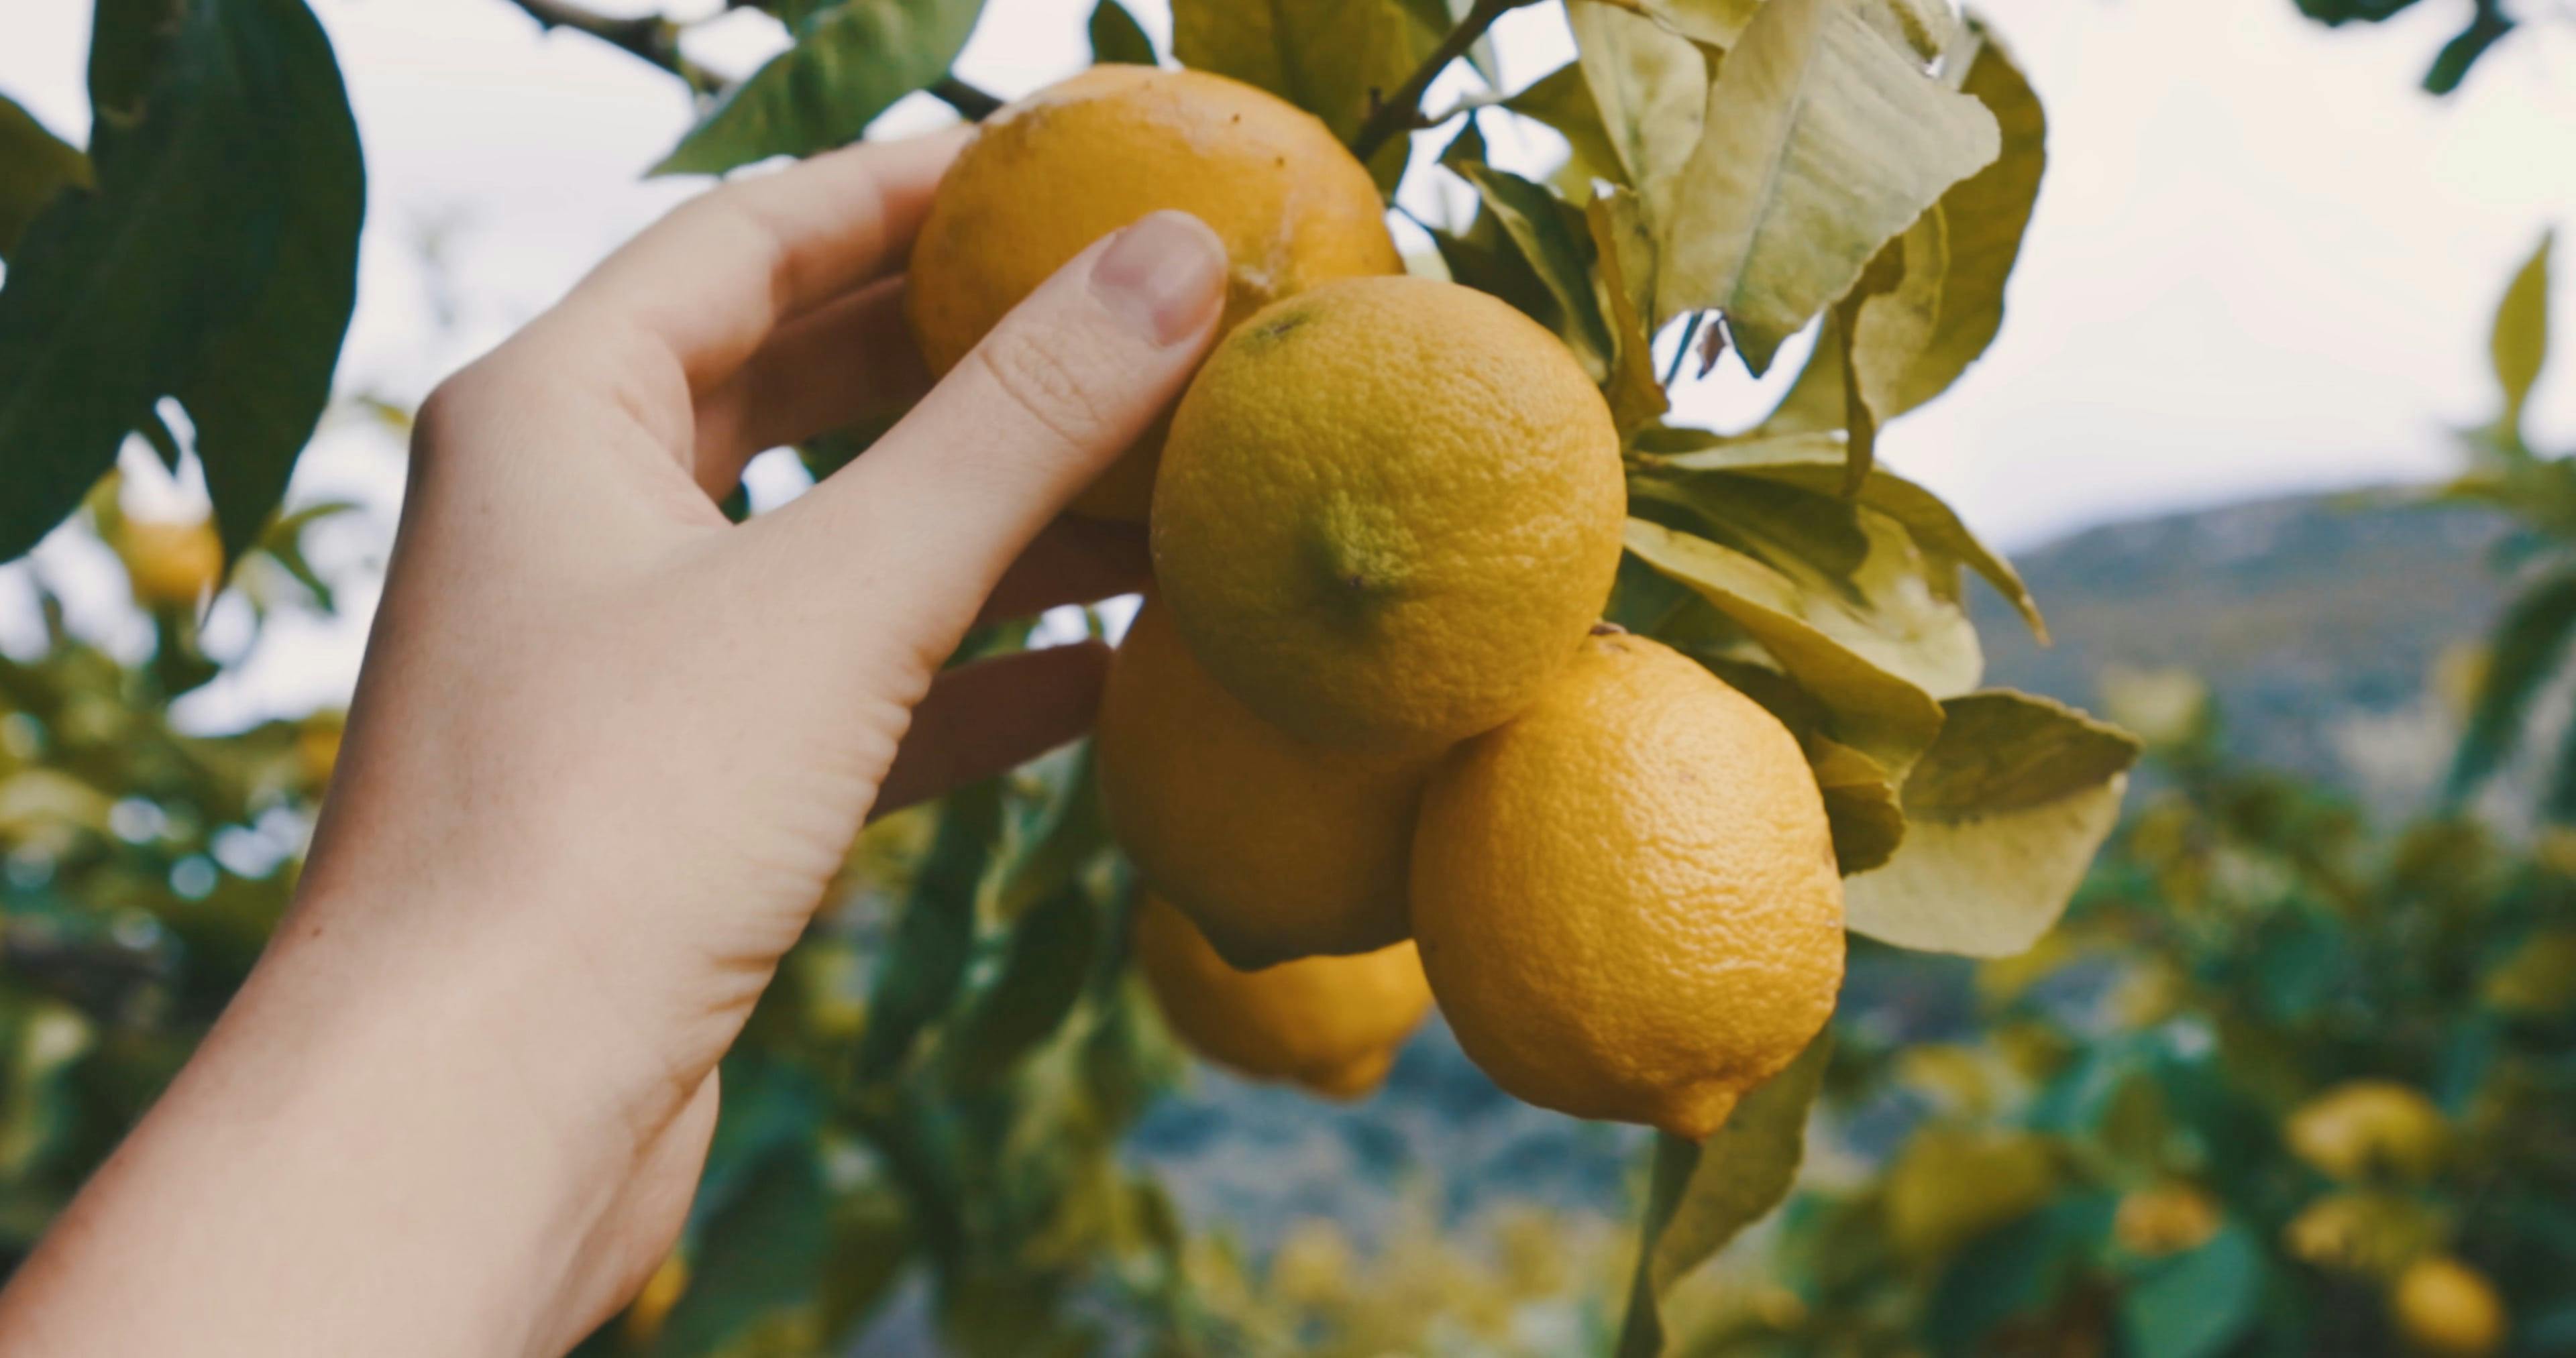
(946, 500)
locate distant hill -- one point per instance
(2316, 621)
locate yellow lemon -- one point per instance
(1332, 1024)
(2444, 1307)
(1277, 849)
(1053, 172)
(1388, 512)
(1626, 897)
(2365, 1126)
(169, 563)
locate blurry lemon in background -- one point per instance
(170, 563)
(2365, 1126)
(2444, 1307)
(1332, 1024)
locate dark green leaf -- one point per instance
(851, 61)
(1040, 978)
(1117, 37)
(2014, 1271)
(35, 165)
(2451, 64)
(1074, 837)
(178, 267)
(1556, 242)
(919, 974)
(2198, 1303)
(2529, 644)
(263, 377)
(763, 1253)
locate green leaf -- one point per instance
(1850, 572)
(1649, 87)
(1983, 220)
(2487, 23)
(1704, 1194)
(1557, 244)
(35, 165)
(1868, 707)
(1117, 37)
(1563, 101)
(920, 972)
(763, 1253)
(1328, 57)
(208, 234)
(2196, 1304)
(1074, 836)
(2520, 344)
(1483, 258)
(1040, 979)
(2530, 643)
(2002, 816)
(2014, 1271)
(851, 61)
(1862, 804)
(1822, 143)
(263, 376)
(1815, 461)
(1623, 249)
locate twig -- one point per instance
(656, 40)
(648, 38)
(972, 104)
(1681, 351)
(1401, 109)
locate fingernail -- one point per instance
(1165, 275)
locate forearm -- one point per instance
(366, 1156)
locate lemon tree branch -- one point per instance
(1399, 111)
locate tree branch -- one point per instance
(652, 39)
(649, 38)
(1402, 110)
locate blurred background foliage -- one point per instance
(2296, 1074)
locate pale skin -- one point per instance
(606, 754)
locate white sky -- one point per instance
(2262, 260)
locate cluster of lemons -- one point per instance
(1368, 740)
(2376, 1138)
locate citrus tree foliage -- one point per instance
(2140, 1137)
(203, 249)
(2488, 21)
(2530, 643)
(937, 1083)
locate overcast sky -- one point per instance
(2262, 261)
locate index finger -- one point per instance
(718, 273)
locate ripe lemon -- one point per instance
(1277, 849)
(2165, 1218)
(1053, 172)
(1952, 1184)
(1626, 897)
(1332, 1024)
(2444, 1307)
(1389, 510)
(169, 562)
(2366, 1126)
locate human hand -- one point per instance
(608, 750)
